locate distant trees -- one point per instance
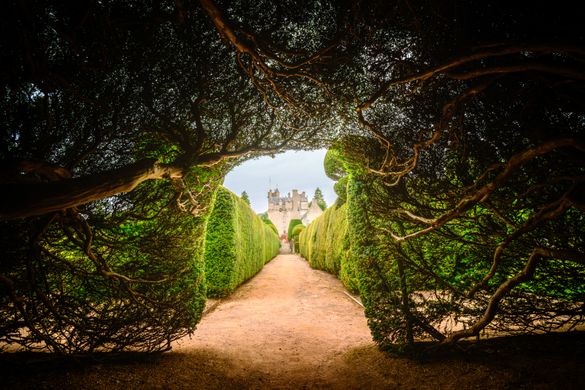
(245, 197)
(318, 197)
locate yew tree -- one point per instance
(460, 127)
(466, 198)
(118, 121)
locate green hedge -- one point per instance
(325, 244)
(238, 244)
(378, 284)
(296, 232)
(410, 290)
(291, 226)
(267, 221)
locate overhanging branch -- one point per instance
(30, 199)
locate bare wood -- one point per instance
(548, 212)
(261, 59)
(401, 168)
(30, 199)
(563, 71)
(11, 170)
(526, 274)
(353, 298)
(496, 51)
(225, 29)
(483, 193)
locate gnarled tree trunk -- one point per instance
(37, 198)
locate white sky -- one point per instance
(301, 170)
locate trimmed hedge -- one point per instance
(325, 244)
(238, 244)
(291, 226)
(378, 290)
(296, 232)
(268, 222)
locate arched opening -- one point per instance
(457, 149)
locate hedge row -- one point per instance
(238, 244)
(291, 226)
(325, 244)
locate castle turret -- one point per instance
(273, 199)
(282, 209)
(295, 200)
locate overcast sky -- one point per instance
(301, 170)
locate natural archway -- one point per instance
(461, 129)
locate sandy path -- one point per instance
(289, 321)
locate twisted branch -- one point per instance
(526, 274)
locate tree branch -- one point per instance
(483, 193)
(490, 52)
(509, 284)
(30, 199)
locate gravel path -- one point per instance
(288, 322)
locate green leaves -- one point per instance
(325, 243)
(237, 245)
(291, 226)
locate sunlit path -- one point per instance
(287, 320)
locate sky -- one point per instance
(301, 170)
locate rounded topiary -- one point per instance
(291, 225)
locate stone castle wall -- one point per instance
(296, 206)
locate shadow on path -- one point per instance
(292, 327)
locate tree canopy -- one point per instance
(458, 132)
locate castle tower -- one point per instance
(293, 206)
(295, 200)
(273, 199)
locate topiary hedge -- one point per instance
(479, 273)
(267, 221)
(296, 232)
(291, 226)
(238, 244)
(325, 244)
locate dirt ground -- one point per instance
(292, 327)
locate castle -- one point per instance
(282, 209)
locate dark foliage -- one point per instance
(465, 201)
(461, 126)
(117, 121)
